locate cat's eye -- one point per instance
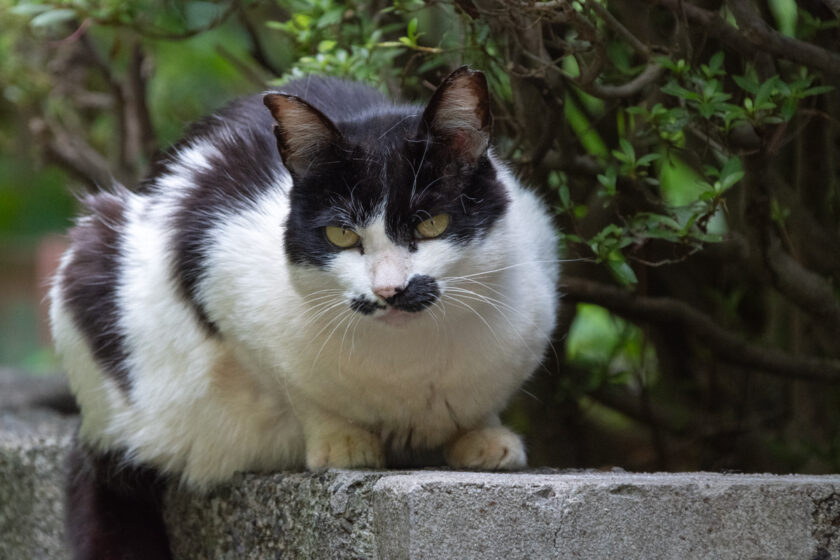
(341, 237)
(434, 226)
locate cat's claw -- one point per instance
(495, 449)
(355, 450)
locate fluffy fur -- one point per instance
(208, 328)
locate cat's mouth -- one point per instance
(396, 317)
(383, 312)
(418, 294)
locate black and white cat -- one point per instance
(311, 278)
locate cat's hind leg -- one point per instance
(114, 508)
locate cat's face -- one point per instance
(384, 209)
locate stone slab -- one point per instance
(607, 515)
(439, 514)
(33, 445)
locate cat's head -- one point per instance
(388, 204)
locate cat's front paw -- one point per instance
(494, 449)
(350, 450)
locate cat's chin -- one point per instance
(396, 317)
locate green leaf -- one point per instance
(302, 21)
(621, 270)
(817, 90)
(53, 17)
(331, 17)
(29, 9)
(646, 159)
(672, 88)
(412, 28)
(746, 83)
(765, 91)
(326, 45)
(716, 62)
(730, 173)
(563, 191)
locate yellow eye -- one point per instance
(341, 237)
(433, 226)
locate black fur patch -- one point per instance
(420, 292)
(245, 165)
(114, 508)
(89, 285)
(364, 306)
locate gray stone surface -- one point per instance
(19, 391)
(33, 445)
(294, 515)
(440, 514)
(607, 515)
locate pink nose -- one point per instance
(386, 292)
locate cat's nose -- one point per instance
(386, 292)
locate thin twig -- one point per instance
(617, 26)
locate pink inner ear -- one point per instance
(462, 142)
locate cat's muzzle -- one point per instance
(420, 292)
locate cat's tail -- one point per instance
(114, 508)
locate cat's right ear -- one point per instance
(458, 115)
(303, 132)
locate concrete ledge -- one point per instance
(33, 445)
(441, 514)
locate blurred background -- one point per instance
(689, 149)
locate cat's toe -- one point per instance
(495, 448)
(345, 451)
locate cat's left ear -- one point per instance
(458, 114)
(303, 132)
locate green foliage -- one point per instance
(613, 349)
(662, 168)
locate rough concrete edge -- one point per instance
(401, 506)
(366, 513)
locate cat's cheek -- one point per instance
(436, 258)
(349, 271)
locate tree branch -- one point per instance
(728, 346)
(648, 76)
(806, 289)
(72, 153)
(257, 49)
(617, 26)
(755, 36)
(138, 104)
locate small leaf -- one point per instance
(746, 84)
(331, 17)
(716, 62)
(53, 17)
(29, 9)
(647, 159)
(563, 191)
(627, 148)
(817, 90)
(765, 91)
(326, 45)
(621, 270)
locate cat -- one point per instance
(314, 277)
